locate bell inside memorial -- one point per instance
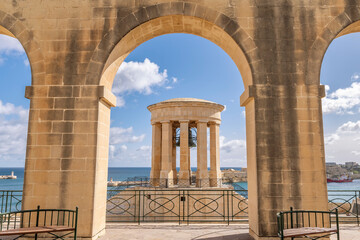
(192, 138)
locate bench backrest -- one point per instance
(301, 218)
(38, 218)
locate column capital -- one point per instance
(184, 121)
(155, 123)
(214, 123)
(201, 121)
(165, 121)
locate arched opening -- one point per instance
(160, 69)
(341, 114)
(15, 75)
(174, 24)
(156, 28)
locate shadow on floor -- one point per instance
(240, 236)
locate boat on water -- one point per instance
(341, 179)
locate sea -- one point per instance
(116, 173)
(121, 174)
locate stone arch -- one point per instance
(179, 17)
(13, 27)
(345, 23)
(152, 21)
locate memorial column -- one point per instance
(215, 172)
(166, 174)
(156, 154)
(202, 175)
(173, 163)
(184, 174)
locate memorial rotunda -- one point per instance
(174, 122)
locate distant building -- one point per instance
(351, 164)
(331, 164)
(235, 175)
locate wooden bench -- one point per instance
(309, 224)
(39, 221)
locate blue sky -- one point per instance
(182, 65)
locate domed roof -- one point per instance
(189, 102)
(186, 100)
(187, 109)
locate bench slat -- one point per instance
(296, 232)
(33, 230)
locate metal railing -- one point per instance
(347, 203)
(181, 206)
(186, 206)
(10, 201)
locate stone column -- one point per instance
(156, 154)
(215, 172)
(189, 165)
(184, 174)
(67, 152)
(173, 164)
(202, 175)
(166, 174)
(285, 153)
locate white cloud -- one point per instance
(26, 62)
(121, 154)
(355, 76)
(350, 127)
(120, 101)
(345, 129)
(138, 77)
(124, 135)
(343, 100)
(232, 152)
(331, 139)
(141, 77)
(122, 148)
(9, 46)
(342, 145)
(356, 153)
(13, 132)
(231, 145)
(327, 89)
(116, 150)
(11, 109)
(144, 148)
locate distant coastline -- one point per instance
(121, 173)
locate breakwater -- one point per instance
(12, 176)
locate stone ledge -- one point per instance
(104, 95)
(107, 97)
(281, 91)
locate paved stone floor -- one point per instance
(196, 232)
